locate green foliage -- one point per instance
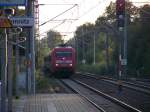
(138, 41)
(54, 39)
(97, 68)
(41, 51)
(41, 81)
(139, 47)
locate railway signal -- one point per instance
(121, 16)
(120, 13)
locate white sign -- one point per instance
(124, 62)
(22, 21)
(13, 2)
(16, 21)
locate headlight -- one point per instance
(70, 64)
(57, 64)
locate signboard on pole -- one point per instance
(5, 23)
(16, 22)
(22, 21)
(124, 62)
(13, 2)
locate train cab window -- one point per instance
(63, 54)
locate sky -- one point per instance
(77, 12)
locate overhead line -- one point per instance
(90, 10)
(58, 20)
(140, 2)
(55, 4)
(58, 15)
(68, 10)
(53, 27)
(59, 24)
(42, 34)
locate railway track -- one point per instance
(129, 95)
(102, 101)
(144, 84)
(135, 85)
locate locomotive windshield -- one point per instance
(63, 54)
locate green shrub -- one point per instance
(41, 81)
(97, 69)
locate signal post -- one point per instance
(122, 28)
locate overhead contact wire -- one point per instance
(58, 15)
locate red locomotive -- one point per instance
(63, 61)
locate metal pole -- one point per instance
(107, 53)
(82, 47)
(32, 46)
(30, 51)
(27, 68)
(4, 73)
(33, 60)
(120, 55)
(94, 50)
(125, 43)
(76, 43)
(27, 55)
(17, 65)
(10, 74)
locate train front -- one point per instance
(63, 61)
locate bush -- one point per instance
(97, 69)
(41, 81)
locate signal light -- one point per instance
(120, 20)
(120, 7)
(70, 65)
(120, 13)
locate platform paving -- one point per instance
(53, 103)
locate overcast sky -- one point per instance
(66, 24)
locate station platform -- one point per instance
(53, 103)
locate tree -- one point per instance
(138, 42)
(84, 40)
(54, 39)
(138, 38)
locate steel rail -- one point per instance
(126, 106)
(98, 107)
(141, 88)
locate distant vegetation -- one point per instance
(106, 55)
(107, 59)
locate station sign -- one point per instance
(16, 22)
(13, 2)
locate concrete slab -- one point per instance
(53, 103)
